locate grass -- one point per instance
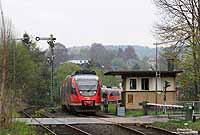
(19, 128)
(111, 108)
(15, 114)
(129, 113)
(134, 113)
(174, 124)
(39, 113)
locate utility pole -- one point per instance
(158, 74)
(51, 42)
(156, 96)
(167, 84)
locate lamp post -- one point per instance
(156, 84)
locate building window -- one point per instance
(130, 98)
(133, 84)
(145, 83)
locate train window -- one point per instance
(87, 84)
(72, 88)
(114, 93)
(68, 86)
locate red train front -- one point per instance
(80, 92)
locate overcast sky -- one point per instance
(82, 22)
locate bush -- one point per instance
(39, 113)
(19, 128)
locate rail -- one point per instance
(49, 130)
(117, 124)
(144, 126)
(46, 128)
(135, 130)
(156, 128)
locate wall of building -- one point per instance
(132, 98)
(152, 83)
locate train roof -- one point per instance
(83, 72)
(86, 76)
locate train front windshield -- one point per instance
(87, 87)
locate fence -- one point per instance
(175, 110)
(180, 114)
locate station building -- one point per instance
(139, 86)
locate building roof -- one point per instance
(143, 73)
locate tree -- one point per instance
(26, 77)
(118, 62)
(61, 54)
(95, 48)
(182, 20)
(100, 55)
(130, 53)
(106, 80)
(5, 94)
(85, 53)
(186, 80)
(120, 52)
(143, 63)
(66, 69)
(32, 75)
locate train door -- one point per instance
(72, 92)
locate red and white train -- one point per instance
(80, 92)
(113, 94)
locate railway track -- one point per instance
(149, 130)
(40, 124)
(115, 124)
(140, 129)
(58, 130)
(98, 129)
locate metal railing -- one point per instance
(174, 110)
